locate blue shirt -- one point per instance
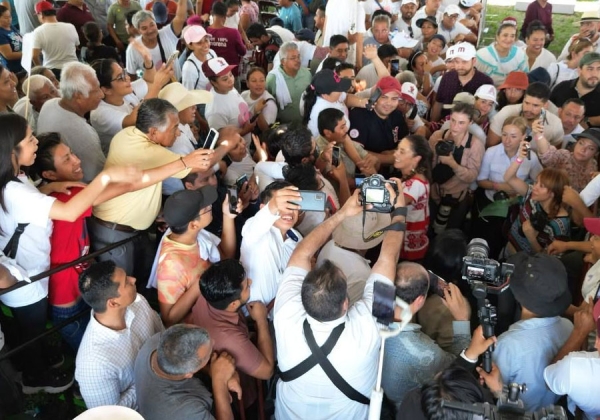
(525, 350)
(292, 17)
(14, 40)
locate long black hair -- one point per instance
(310, 99)
(420, 147)
(103, 69)
(14, 130)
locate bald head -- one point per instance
(412, 281)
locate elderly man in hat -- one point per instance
(539, 285)
(588, 28)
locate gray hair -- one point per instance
(381, 18)
(286, 47)
(154, 113)
(73, 79)
(177, 352)
(36, 83)
(141, 16)
(406, 76)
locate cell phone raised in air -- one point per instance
(437, 284)
(239, 183)
(312, 201)
(335, 156)
(395, 65)
(172, 58)
(384, 296)
(211, 139)
(233, 199)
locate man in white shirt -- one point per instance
(431, 8)
(314, 303)
(588, 28)
(120, 322)
(571, 114)
(452, 30)
(408, 8)
(161, 43)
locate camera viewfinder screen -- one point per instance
(375, 195)
(475, 272)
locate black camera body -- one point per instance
(479, 269)
(444, 148)
(539, 220)
(373, 191)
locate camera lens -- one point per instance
(478, 248)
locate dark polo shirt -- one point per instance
(567, 89)
(77, 17)
(451, 85)
(374, 133)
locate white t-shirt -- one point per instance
(228, 109)
(270, 109)
(168, 40)
(192, 76)
(233, 21)
(76, 133)
(285, 34)
(107, 119)
(420, 14)
(237, 169)
(559, 72)
(320, 105)
(591, 193)
(344, 17)
(545, 59)
(58, 42)
(450, 34)
(25, 204)
(390, 6)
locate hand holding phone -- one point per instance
(312, 201)
(211, 140)
(335, 156)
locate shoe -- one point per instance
(55, 359)
(51, 381)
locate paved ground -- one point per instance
(580, 6)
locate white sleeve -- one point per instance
(270, 112)
(267, 172)
(132, 60)
(140, 89)
(360, 18)
(189, 75)
(414, 190)
(27, 205)
(557, 376)
(462, 29)
(591, 192)
(106, 120)
(259, 225)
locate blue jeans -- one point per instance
(73, 332)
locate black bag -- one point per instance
(442, 173)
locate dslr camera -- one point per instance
(478, 269)
(444, 148)
(373, 191)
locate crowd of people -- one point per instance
(180, 138)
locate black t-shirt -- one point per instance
(566, 90)
(374, 133)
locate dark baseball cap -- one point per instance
(184, 206)
(430, 19)
(327, 81)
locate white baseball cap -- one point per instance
(408, 92)
(452, 9)
(403, 40)
(462, 50)
(468, 3)
(487, 92)
(409, 2)
(216, 67)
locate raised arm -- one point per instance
(510, 177)
(180, 17)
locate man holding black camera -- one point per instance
(312, 308)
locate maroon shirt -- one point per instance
(536, 12)
(77, 17)
(450, 86)
(228, 44)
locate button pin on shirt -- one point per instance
(290, 234)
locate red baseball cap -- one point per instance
(42, 6)
(389, 84)
(216, 67)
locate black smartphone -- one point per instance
(211, 139)
(312, 201)
(437, 284)
(597, 297)
(335, 156)
(384, 297)
(239, 183)
(395, 65)
(233, 199)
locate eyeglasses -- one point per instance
(121, 77)
(208, 210)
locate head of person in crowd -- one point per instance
(233, 7)
(386, 54)
(406, 76)
(46, 72)
(535, 99)
(197, 40)
(184, 100)
(589, 70)
(159, 121)
(412, 285)
(114, 80)
(571, 114)
(183, 350)
(408, 8)
(190, 211)
(330, 63)
(231, 134)
(461, 117)
(452, 384)
(381, 28)
(305, 35)
(271, 140)
(132, 31)
(79, 88)
(539, 284)
(577, 50)
(348, 71)
(391, 92)
(514, 131)
(41, 90)
(288, 219)
(92, 33)
(145, 23)
(225, 285)
(218, 73)
(413, 156)
(332, 125)
(436, 45)
(45, 11)
(450, 17)
(8, 89)
(320, 18)
(339, 47)
(297, 146)
(588, 25)
(539, 74)
(55, 161)
(548, 189)
(327, 85)
(257, 35)
(535, 37)
(256, 81)
(417, 62)
(485, 100)
(587, 146)
(324, 292)
(428, 26)
(106, 288)
(218, 12)
(408, 98)
(197, 180)
(462, 55)
(445, 255)
(303, 176)
(513, 89)
(290, 58)
(506, 36)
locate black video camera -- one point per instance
(444, 148)
(373, 191)
(539, 220)
(478, 268)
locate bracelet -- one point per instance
(519, 160)
(182, 161)
(148, 68)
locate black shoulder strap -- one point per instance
(11, 248)
(311, 361)
(197, 70)
(330, 371)
(468, 145)
(163, 57)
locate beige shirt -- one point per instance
(137, 209)
(553, 129)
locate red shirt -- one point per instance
(68, 242)
(72, 14)
(535, 11)
(228, 44)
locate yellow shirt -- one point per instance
(137, 209)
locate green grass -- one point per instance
(562, 24)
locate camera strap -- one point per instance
(397, 227)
